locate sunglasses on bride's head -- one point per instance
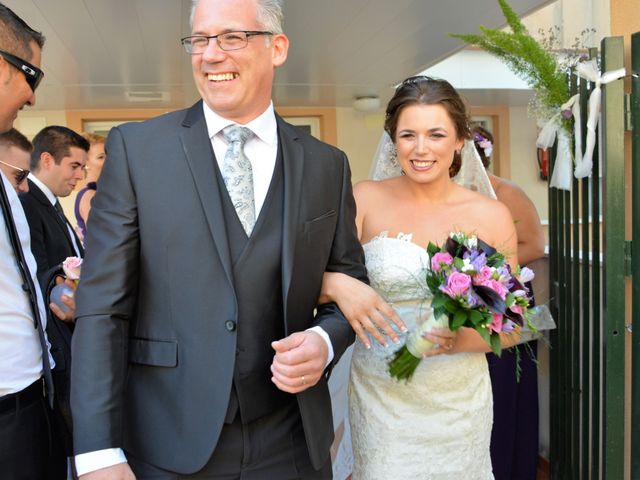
(415, 80)
(19, 173)
(32, 73)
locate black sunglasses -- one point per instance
(20, 174)
(32, 73)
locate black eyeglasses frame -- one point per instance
(32, 74)
(248, 33)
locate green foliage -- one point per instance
(525, 57)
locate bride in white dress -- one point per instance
(438, 425)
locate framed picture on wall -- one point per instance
(102, 127)
(309, 124)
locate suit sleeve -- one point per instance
(105, 304)
(36, 230)
(346, 257)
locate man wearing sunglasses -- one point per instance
(15, 152)
(27, 448)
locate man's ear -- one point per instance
(280, 44)
(46, 161)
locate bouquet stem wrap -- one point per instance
(407, 358)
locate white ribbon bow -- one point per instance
(561, 177)
(589, 71)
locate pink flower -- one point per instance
(458, 285)
(496, 324)
(483, 276)
(497, 287)
(515, 308)
(71, 267)
(439, 259)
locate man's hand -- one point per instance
(299, 361)
(70, 302)
(120, 471)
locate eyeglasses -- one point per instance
(20, 173)
(32, 73)
(228, 41)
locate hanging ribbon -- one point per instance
(561, 177)
(589, 71)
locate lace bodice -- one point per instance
(397, 267)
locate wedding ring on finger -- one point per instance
(303, 381)
(448, 346)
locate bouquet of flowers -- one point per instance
(472, 286)
(71, 267)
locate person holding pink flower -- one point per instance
(438, 423)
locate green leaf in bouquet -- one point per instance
(434, 282)
(476, 317)
(484, 333)
(439, 300)
(451, 306)
(458, 263)
(510, 300)
(432, 249)
(459, 319)
(496, 345)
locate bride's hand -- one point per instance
(365, 310)
(444, 339)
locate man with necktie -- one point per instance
(27, 448)
(57, 161)
(197, 353)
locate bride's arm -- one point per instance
(365, 310)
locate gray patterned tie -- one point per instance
(238, 176)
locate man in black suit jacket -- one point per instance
(57, 162)
(196, 351)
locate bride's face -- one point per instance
(426, 140)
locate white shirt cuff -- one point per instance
(92, 461)
(327, 340)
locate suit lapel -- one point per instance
(201, 159)
(52, 213)
(293, 168)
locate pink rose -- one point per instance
(458, 285)
(496, 324)
(71, 267)
(497, 287)
(483, 276)
(439, 259)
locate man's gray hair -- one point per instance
(269, 15)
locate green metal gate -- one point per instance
(589, 264)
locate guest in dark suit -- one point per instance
(58, 156)
(26, 446)
(197, 352)
(15, 155)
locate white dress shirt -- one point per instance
(261, 150)
(53, 199)
(20, 350)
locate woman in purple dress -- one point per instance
(514, 437)
(93, 167)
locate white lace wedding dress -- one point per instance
(437, 426)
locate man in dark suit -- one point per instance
(27, 449)
(197, 352)
(57, 162)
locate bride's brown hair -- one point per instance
(423, 90)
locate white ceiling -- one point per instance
(98, 52)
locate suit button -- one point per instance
(230, 325)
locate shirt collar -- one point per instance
(264, 126)
(50, 196)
